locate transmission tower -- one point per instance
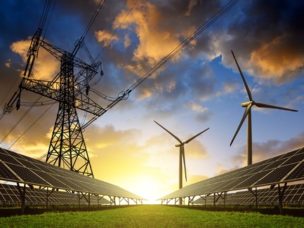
(67, 146)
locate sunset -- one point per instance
(154, 97)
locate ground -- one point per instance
(151, 216)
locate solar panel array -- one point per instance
(284, 168)
(10, 196)
(17, 168)
(293, 196)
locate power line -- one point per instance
(6, 97)
(184, 43)
(42, 21)
(51, 9)
(30, 126)
(18, 122)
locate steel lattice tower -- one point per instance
(67, 146)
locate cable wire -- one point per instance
(18, 122)
(30, 126)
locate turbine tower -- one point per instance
(247, 113)
(182, 160)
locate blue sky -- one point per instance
(200, 88)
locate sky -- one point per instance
(199, 88)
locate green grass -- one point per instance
(151, 216)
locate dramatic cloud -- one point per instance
(146, 18)
(45, 66)
(105, 37)
(277, 59)
(268, 45)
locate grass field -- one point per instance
(151, 216)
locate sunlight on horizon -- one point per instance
(149, 188)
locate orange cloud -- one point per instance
(127, 41)
(154, 43)
(45, 65)
(276, 60)
(105, 37)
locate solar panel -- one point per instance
(276, 174)
(298, 173)
(9, 196)
(294, 196)
(27, 175)
(22, 169)
(283, 168)
(6, 174)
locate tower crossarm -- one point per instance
(58, 52)
(123, 96)
(85, 76)
(42, 88)
(85, 103)
(81, 101)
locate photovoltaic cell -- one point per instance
(296, 158)
(27, 175)
(6, 174)
(276, 175)
(8, 159)
(298, 173)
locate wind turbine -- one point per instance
(247, 113)
(182, 160)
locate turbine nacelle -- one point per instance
(179, 145)
(247, 103)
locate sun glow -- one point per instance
(149, 188)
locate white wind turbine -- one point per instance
(247, 113)
(182, 160)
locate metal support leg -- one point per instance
(22, 192)
(48, 193)
(225, 193)
(217, 196)
(255, 194)
(78, 199)
(281, 191)
(190, 200)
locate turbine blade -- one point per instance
(168, 132)
(193, 137)
(243, 77)
(262, 105)
(184, 161)
(247, 110)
